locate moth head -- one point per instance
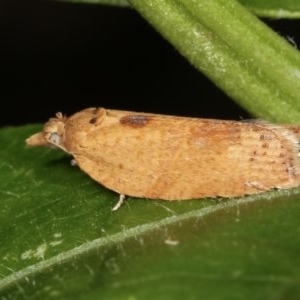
(52, 135)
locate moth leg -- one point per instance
(73, 162)
(119, 203)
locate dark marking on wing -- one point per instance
(97, 116)
(93, 120)
(135, 121)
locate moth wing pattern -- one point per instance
(176, 158)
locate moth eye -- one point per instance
(55, 138)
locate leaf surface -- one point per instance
(60, 239)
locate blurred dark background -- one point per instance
(59, 56)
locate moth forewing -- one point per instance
(177, 158)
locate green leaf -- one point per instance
(60, 239)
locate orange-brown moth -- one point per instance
(175, 158)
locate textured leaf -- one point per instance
(60, 240)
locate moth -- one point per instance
(176, 158)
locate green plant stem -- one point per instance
(289, 9)
(120, 3)
(238, 52)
